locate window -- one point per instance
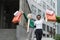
(44, 5)
(35, 0)
(51, 2)
(47, 35)
(48, 7)
(48, 1)
(39, 11)
(47, 28)
(54, 11)
(43, 14)
(53, 5)
(33, 9)
(54, 31)
(44, 35)
(51, 9)
(44, 26)
(39, 1)
(50, 29)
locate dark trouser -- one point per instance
(38, 34)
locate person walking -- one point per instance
(38, 23)
(30, 25)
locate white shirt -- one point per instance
(38, 23)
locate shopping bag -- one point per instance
(17, 18)
(50, 16)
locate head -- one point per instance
(38, 17)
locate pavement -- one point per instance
(46, 39)
(10, 34)
(7, 34)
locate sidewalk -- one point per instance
(10, 34)
(7, 34)
(46, 39)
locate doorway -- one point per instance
(9, 7)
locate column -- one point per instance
(21, 33)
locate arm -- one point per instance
(44, 19)
(25, 16)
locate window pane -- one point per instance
(47, 28)
(44, 35)
(47, 35)
(44, 5)
(44, 26)
(39, 11)
(51, 29)
(48, 7)
(43, 14)
(53, 5)
(33, 9)
(35, 0)
(39, 1)
(51, 2)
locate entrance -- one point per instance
(8, 7)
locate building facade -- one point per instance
(39, 7)
(58, 14)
